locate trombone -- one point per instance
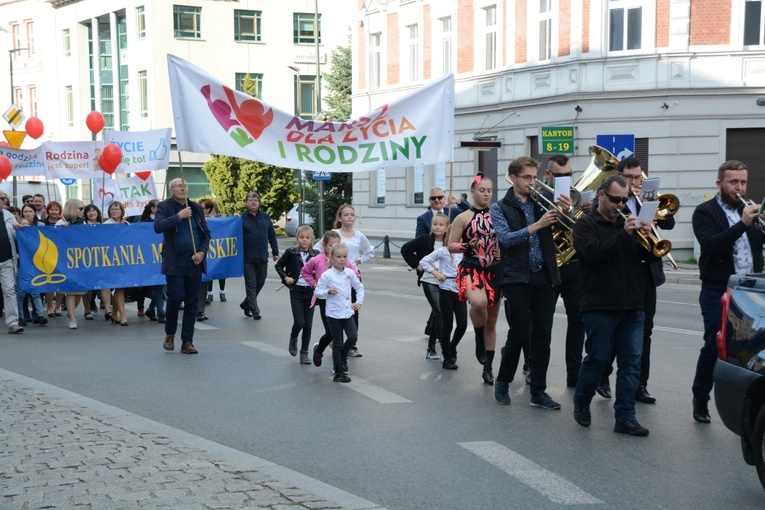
(760, 223)
(538, 197)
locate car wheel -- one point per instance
(758, 441)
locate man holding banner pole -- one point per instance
(186, 240)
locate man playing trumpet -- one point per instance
(731, 243)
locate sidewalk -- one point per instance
(63, 450)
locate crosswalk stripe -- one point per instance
(376, 393)
(267, 348)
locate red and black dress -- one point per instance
(482, 262)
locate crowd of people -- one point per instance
(474, 253)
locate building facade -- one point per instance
(111, 56)
(687, 79)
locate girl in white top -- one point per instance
(335, 286)
(443, 266)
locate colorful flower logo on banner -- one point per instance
(249, 114)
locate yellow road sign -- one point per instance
(15, 138)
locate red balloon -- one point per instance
(4, 144)
(113, 154)
(34, 127)
(5, 167)
(95, 122)
(143, 175)
(105, 165)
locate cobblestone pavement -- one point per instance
(61, 450)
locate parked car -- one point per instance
(292, 220)
(740, 369)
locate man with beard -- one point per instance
(730, 244)
(613, 289)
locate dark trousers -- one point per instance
(571, 291)
(302, 314)
(431, 292)
(183, 286)
(340, 349)
(709, 301)
(255, 274)
(326, 338)
(529, 310)
(451, 306)
(649, 310)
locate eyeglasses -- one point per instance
(526, 177)
(438, 197)
(632, 177)
(4, 198)
(616, 200)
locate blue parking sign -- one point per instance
(621, 146)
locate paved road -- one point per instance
(404, 434)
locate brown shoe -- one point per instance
(169, 344)
(188, 348)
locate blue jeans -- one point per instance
(37, 309)
(183, 286)
(620, 332)
(709, 301)
(157, 299)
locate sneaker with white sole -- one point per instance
(73, 325)
(544, 401)
(431, 354)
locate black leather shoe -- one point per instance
(582, 415)
(246, 310)
(642, 395)
(449, 364)
(701, 411)
(604, 391)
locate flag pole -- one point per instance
(451, 189)
(186, 202)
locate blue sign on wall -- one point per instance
(621, 146)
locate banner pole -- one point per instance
(451, 189)
(186, 202)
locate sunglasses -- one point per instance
(81, 208)
(616, 200)
(438, 197)
(569, 174)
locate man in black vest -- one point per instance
(528, 276)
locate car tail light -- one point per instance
(722, 345)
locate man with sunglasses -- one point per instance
(612, 303)
(438, 204)
(653, 274)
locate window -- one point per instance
(107, 105)
(247, 25)
(376, 70)
(306, 94)
(30, 29)
(305, 29)
(33, 101)
(545, 29)
(446, 45)
(199, 185)
(753, 23)
(69, 101)
(67, 43)
(187, 22)
(256, 81)
(625, 25)
(18, 98)
(16, 34)
(491, 37)
(140, 22)
(414, 52)
(143, 92)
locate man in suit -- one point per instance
(653, 274)
(730, 244)
(185, 241)
(438, 202)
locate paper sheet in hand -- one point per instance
(587, 196)
(562, 187)
(647, 213)
(650, 189)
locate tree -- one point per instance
(339, 189)
(232, 178)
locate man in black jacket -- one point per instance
(612, 303)
(730, 244)
(186, 240)
(258, 233)
(528, 276)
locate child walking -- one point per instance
(311, 272)
(335, 286)
(289, 267)
(443, 266)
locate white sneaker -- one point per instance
(72, 324)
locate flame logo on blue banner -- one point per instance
(46, 260)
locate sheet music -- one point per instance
(648, 213)
(650, 189)
(587, 196)
(562, 187)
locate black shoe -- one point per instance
(43, 321)
(582, 415)
(161, 318)
(151, 314)
(202, 317)
(502, 392)
(209, 300)
(642, 395)
(631, 427)
(293, 348)
(449, 364)
(488, 377)
(246, 310)
(544, 401)
(341, 377)
(701, 411)
(222, 298)
(604, 391)
(256, 316)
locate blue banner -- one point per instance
(87, 257)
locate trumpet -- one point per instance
(652, 243)
(668, 206)
(760, 223)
